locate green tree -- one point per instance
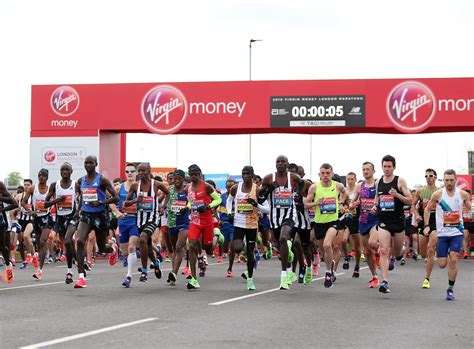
(14, 179)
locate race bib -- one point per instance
(282, 199)
(146, 204)
(89, 195)
(132, 209)
(366, 204)
(329, 206)
(387, 203)
(178, 205)
(451, 219)
(196, 204)
(40, 206)
(65, 205)
(407, 213)
(243, 207)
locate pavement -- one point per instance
(222, 313)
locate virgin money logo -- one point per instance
(411, 106)
(64, 101)
(164, 109)
(50, 156)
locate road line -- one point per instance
(87, 334)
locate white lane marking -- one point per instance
(264, 292)
(87, 334)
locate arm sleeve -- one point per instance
(229, 204)
(265, 207)
(216, 199)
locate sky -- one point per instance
(59, 42)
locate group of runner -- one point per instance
(282, 214)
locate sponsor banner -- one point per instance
(305, 106)
(236, 178)
(58, 151)
(464, 182)
(220, 179)
(162, 172)
(317, 111)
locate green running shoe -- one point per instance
(291, 278)
(245, 275)
(269, 252)
(291, 255)
(250, 285)
(193, 284)
(259, 240)
(284, 283)
(308, 276)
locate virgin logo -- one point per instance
(164, 109)
(411, 106)
(50, 156)
(65, 101)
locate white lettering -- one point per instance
(61, 103)
(217, 108)
(64, 123)
(159, 111)
(404, 109)
(455, 105)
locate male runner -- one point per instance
(42, 220)
(64, 193)
(7, 203)
(26, 224)
(93, 188)
(392, 195)
(145, 194)
(468, 228)
(427, 243)
(226, 227)
(327, 197)
(449, 203)
(202, 198)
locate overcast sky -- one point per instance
(68, 42)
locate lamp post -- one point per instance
(250, 79)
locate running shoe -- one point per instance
(402, 262)
(269, 252)
(362, 257)
(355, 274)
(315, 270)
(333, 275)
(450, 294)
(29, 259)
(391, 264)
(143, 277)
(69, 279)
(127, 282)
(291, 277)
(23, 265)
(125, 263)
(80, 283)
(250, 285)
(35, 260)
(185, 271)
(168, 260)
(426, 283)
(328, 280)
(91, 261)
(172, 277)
(345, 265)
(202, 267)
(87, 266)
(417, 257)
(245, 275)
(205, 260)
(193, 284)
(374, 282)
(230, 273)
(384, 287)
(465, 255)
(9, 274)
(13, 261)
(284, 283)
(308, 276)
(62, 258)
(291, 255)
(37, 275)
(114, 255)
(158, 253)
(157, 269)
(220, 259)
(301, 275)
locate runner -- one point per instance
(93, 188)
(468, 228)
(278, 188)
(64, 193)
(202, 198)
(42, 220)
(263, 227)
(242, 206)
(327, 197)
(226, 227)
(449, 203)
(392, 195)
(427, 243)
(145, 195)
(26, 224)
(127, 223)
(7, 203)
(178, 222)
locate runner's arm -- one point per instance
(430, 207)
(414, 203)
(114, 198)
(131, 191)
(24, 202)
(264, 208)
(405, 197)
(230, 199)
(51, 192)
(165, 192)
(7, 198)
(309, 203)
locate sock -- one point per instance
(427, 279)
(451, 284)
(81, 275)
(328, 271)
(131, 259)
(283, 273)
(288, 270)
(69, 271)
(144, 270)
(156, 263)
(356, 267)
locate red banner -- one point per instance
(464, 182)
(328, 106)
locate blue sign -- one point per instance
(219, 179)
(236, 178)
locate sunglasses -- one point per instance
(429, 176)
(130, 171)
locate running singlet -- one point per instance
(425, 198)
(328, 211)
(24, 215)
(92, 192)
(147, 208)
(449, 214)
(282, 205)
(68, 206)
(178, 201)
(38, 202)
(302, 215)
(245, 215)
(367, 201)
(130, 212)
(200, 198)
(391, 208)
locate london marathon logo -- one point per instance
(64, 101)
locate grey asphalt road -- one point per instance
(349, 314)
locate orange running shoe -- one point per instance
(35, 260)
(220, 259)
(1, 277)
(230, 273)
(9, 274)
(38, 274)
(29, 259)
(315, 269)
(185, 271)
(80, 283)
(113, 256)
(374, 282)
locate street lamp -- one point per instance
(250, 79)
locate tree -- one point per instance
(14, 179)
